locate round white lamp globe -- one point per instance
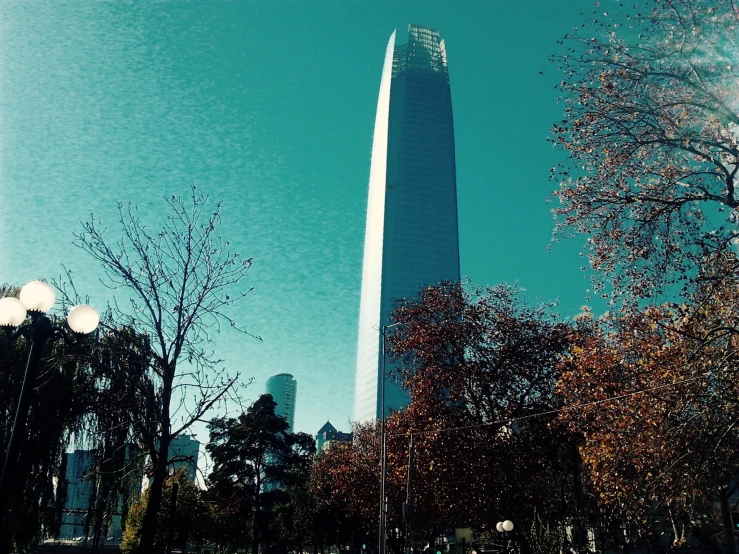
(12, 312)
(83, 319)
(37, 296)
(499, 527)
(507, 525)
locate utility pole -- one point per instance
(408, 506)
(383, 499)
(383, 437)
(383, 452)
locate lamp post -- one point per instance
(383, 438)
(408, 506)
(504, 528)
(35, 299)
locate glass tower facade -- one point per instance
(411, 238)
(283, 388)
(184, 451)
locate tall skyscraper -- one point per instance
(283, 388)
(411, 238)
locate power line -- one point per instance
(550, 412)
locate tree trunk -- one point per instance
(149, 525)
(673, 522)
(105, 488)
(578, 531)
(255, 533)
(255, 524)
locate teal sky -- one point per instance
(269, 105)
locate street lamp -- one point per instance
(35, 299)
(505, 527)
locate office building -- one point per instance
(80, 489)
(411, 237)
(184, 451)
(283, 387)
(80, 493)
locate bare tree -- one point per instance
(180, 280)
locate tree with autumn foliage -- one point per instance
(658, 404)
(345, 481)
(484, 349)
(478, 364)
(651, 131)
(482, 362)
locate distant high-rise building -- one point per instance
(411, 238)
(184, 451)
(80, 486)
(80, 493)
(328, 434)
(282, 387)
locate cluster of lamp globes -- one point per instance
(502, 526)
(506, 526)
(39, 297)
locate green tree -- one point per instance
(59, 402)
(254, 457)
(91, 392)
(295, 521)
(120, 425)
(72, 393)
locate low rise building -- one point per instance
(327, 435)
